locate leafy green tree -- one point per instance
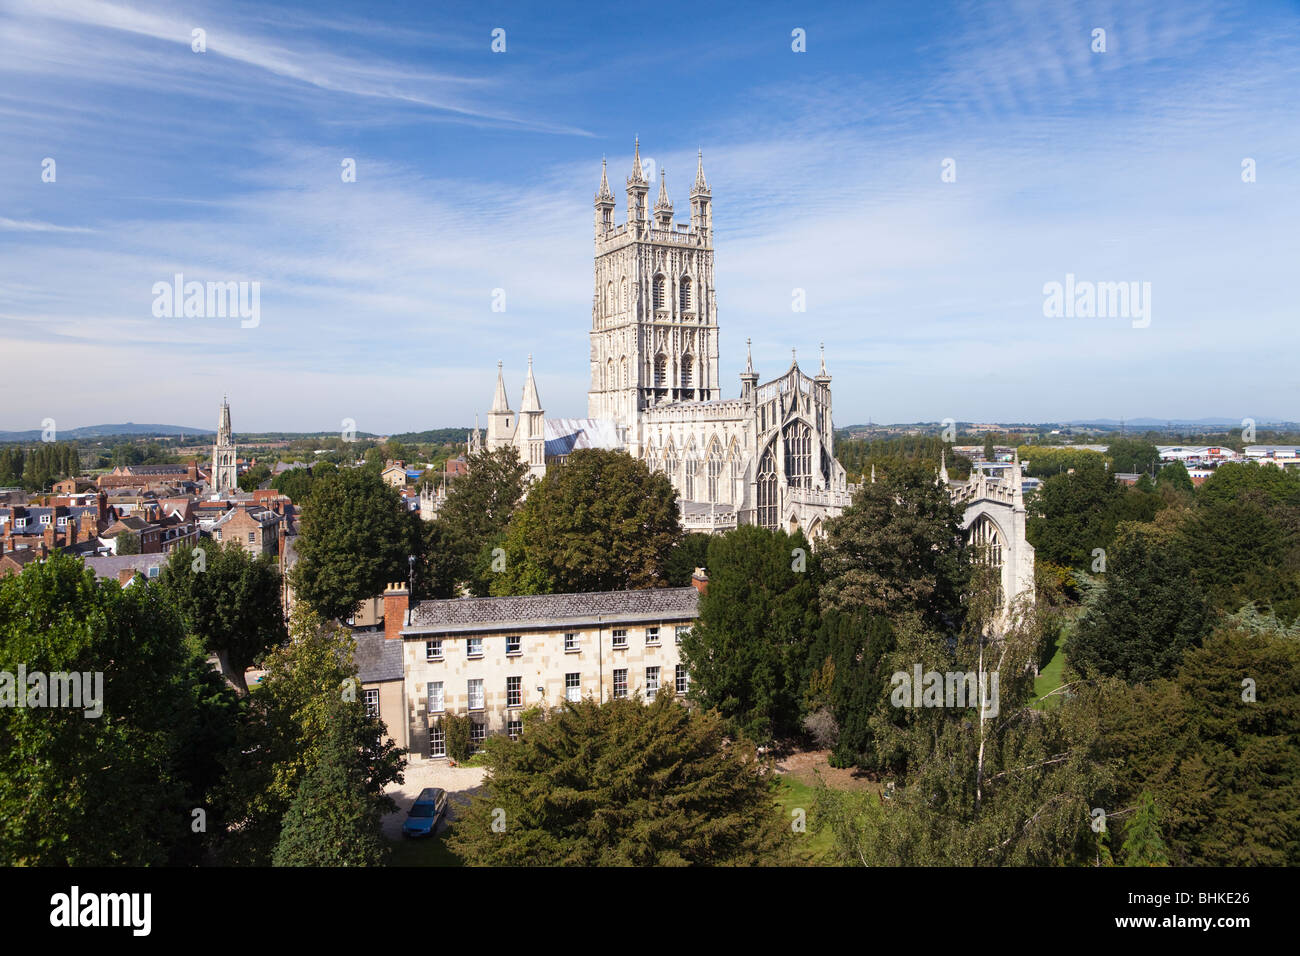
(457, 730)
(478, 509)
(1150, 613)
(1175, 475)
(1133, 456)
(1231, 480)
(1074, 513)
(333, 821)
(306, 710)
(111, 782)
(1214, 746)
(603, 522)
(622, 784)
(898, 547)
(690, 552)
(128, 542)
(748, 650)
(356, 537)
(229, 601)
(1143, 845)
(252, 479)
(849, 678)
(990, 453)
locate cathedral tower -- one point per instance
(225, 471)
(654, 324)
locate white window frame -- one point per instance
(473, 647)
(518, 690)
(437, 740)
(469, 694)
(573, 688)
(652, 636)
(442, 697)
(572, 642)
(477, 734)
(652, 691)
(617, 672)
(680, 631)
(618, 638)
(514, 727)
(519, 645)
(370, 698)
(433, 649)
(682, 680)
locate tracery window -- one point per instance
(798, 455)
(684, 293)
(766, 491)
(660, 294)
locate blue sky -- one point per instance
(475, 171)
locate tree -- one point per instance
(253, 478)
(1143, 845)
(689, 553)
(603, 522)
(849, 679)
(478, 509)
(1133, 456)
(333, 821)
(1074, 514)
(356, 538)
(113, 781)
(128, 542)
(304, 713)
(621, 784)
(1175, 475)
(990, 453)
(748, 650)
(229, 601)
(1214, 747)
(1149, 614)
(899, 546)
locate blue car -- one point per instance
(428, 809)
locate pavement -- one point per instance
(459, 782)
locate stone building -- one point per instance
(225, 461)
(765, 457)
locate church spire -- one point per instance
(530, 402)
(603, 194)
(701, 198)
(638, 174)
(499, 401)
(700, 185)
(664, 205)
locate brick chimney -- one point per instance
(397, 600)
(700, 581)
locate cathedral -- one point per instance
(225, 458)
(765, 457)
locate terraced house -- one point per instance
(492, 658)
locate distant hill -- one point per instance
(97, 431)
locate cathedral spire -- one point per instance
(530, 402)
(603, 194)
(749, 357)
(638, 174)
(943, 466)
(700, 185)
(499, 401)
(664, 205)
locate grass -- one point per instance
(811, 848)
(424, 851)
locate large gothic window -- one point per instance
(687, 370)
(661, 293)
(985, 538)
(766, 491)
(798, 455)
(684, 293)
(715, 468)
(661, 371)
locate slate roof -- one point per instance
(378, 660)
(109, 565)
(551, 610)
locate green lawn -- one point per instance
(425, 851)
(811, 848)
(1050, 677)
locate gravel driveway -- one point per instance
(459, 782)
